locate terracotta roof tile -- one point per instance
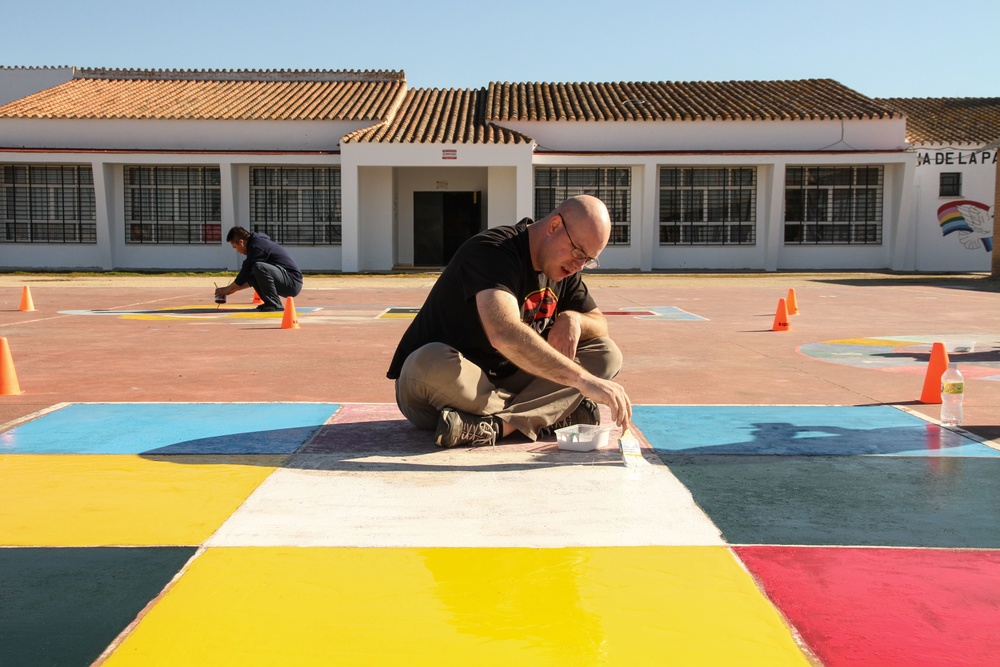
(949, 120)
(434, 115)
(217, 95)
(808, 99)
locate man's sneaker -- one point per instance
(459, 428)
(586, 413)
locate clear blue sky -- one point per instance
(881, 48)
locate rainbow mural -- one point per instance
(972, 221)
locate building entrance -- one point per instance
(442, 221)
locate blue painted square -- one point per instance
(169, 428)
(798, 430)
(671, 313)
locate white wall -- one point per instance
(502, 196)
(701, 135)
(376, 218)
(172, 135)
(379, 181)
(934, 250)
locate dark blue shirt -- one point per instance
(260, 248)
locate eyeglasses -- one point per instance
(578, 253)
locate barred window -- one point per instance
(613, 186)
(296, 206)
(48, 204)
(833, 205)
(173, 205)
(950, 184)
(708, 206)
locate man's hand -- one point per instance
(226, 290)
(500, 316)
(564, 335)
(571, 327)
(612, 395)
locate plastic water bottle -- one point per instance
(952, 393)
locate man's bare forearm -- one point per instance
(592, 324)
(523, 346)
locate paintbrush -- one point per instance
(631, 451)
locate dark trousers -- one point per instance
(272, 282)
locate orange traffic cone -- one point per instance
(935, 369)
(793, 305)
(781, 322)
(8, 378)
(290, 320)
(26, 302)
(256, 297)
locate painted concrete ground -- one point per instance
(185, 484)
(323, 533)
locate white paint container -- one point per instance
(582, 437)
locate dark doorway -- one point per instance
(442, 221)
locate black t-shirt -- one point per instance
(498, 258)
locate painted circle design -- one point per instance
(977, 354)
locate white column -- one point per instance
(648, 232)
(773, 209)
(350, 239)
(904, 242)
(229, 192)
(525, 189)
(105, 227)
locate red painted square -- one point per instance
(884, 607)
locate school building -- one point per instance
(353, 171)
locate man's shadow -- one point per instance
(381, 445)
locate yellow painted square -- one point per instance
(462, 606)
(91, 500)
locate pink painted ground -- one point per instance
(856, 607)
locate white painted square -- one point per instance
(468, 498)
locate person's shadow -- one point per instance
(377, 445)
(784, 438)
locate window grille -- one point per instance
(173, 205)
(613, 186)
(950, 184)
(48, 204)
(833, 205)
(708, 206)
(296, 206)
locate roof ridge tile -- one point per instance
(240, 74)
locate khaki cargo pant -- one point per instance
(437, 376)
